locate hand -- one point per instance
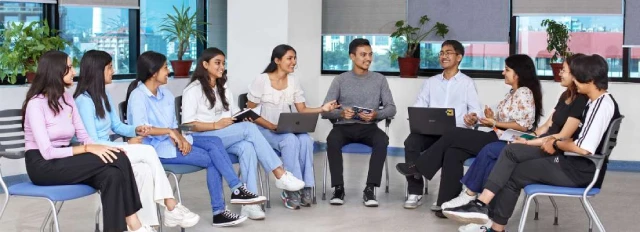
(368, 117)
(186, 147)
(487, 122)
(273, 127)
(329, 106)
(488, 112)
(106, 153)
(143, 130)
(347, 113)
(520, 141)
(176, 137)
(135, 140)
(547, 146)
(470, 119)
(222, 123)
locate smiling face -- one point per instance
(449, 58)
(162, 76)
(288, 62)
(215, 66)
(362, 58)
(108, 74)
(566, 79)
(510, 76)
(71, 72)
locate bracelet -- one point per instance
(494, 123)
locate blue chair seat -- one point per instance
(541, 188)
(469, 161)
(356, 148)
(181, 168)
(54, 193)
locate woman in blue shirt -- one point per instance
(151, 104)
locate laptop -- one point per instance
(297, 123)
(431, 121)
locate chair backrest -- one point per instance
(11, 133)
(611, 137)
(122, 107)
(242, 101)
(178, 106)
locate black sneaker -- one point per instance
(243, 196)
(227, 218)
(472, 212)
(338, 196)
(407, 169)
(369, 197)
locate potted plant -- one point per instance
(180, 28)
(22, 46)
(557, 41)
(409, 64)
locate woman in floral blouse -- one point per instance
(519, 110)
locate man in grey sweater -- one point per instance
(360, 93)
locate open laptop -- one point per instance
(297, 123)
(431, 121)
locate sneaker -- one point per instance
(306, 197)
(253, 212)
(143, 228)
(413, 201)
(243, 196)
(180, 216)
(291, 200)
(338, 196)
(289, 182)
(462, 199)
(472, 212)
(475, 227)
(407, 169)
(435, 207)
(227, 218)
(369, 197)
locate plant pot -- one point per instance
(181, 68)
(409, 66)
(30, 77)
(556, 67)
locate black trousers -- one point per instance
(116, 182)
(518, 166)
(449, 153)
(413, 146)
(368, 134)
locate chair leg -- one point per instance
(54, 211)
(537, 209)
(266, 176)
(406, 190)
(57, 207)
(386, 167)
(588, 216)
(314, 195)
(98, 212)
(177, 186)
(426, 186)
(324, 178)
(159, 219)
(555, 209)
(594, 215)
(6, 198)
(525, 211)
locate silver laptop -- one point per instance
(297, 123)
(431, 121)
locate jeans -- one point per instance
(296, 151)
(245, 141)
(208, 152)
(479, 171)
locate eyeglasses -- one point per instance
(442, 53)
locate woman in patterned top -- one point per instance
(519, 110)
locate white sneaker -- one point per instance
(462, 199)
(475, 227)
(143, 228)
(289, 182)
(413, 201)
(435, 207)
(253, 212)
(180, 216)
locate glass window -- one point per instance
(335, 52)
(476, 56)
(634, 63)
(105, 29)
(19, 12)
(589, 34)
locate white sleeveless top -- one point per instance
(272, 101)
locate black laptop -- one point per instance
(297, 123)
(431, 121)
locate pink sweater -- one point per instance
(48, 132)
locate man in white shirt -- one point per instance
(451, 89)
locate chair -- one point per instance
(535, 190)
(12, 147)
(357, 148)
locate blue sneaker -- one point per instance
(290, 199)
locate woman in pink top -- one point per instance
(50, 120)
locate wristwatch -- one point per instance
(555, 143)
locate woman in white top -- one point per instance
(275, 90)
(208, 105)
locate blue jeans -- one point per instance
(296, 151)
(208, 152)
(245, 141)
(479, 171)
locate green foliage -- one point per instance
(181, 26)
(413, 35)
(336, 59)
(398, 47)
(557, 39)
(22, 46)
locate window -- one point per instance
(589, 34)
(335, 52)
(476, 56)
(634, 63)
(19, 12)
(105, 29)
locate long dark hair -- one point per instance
(149, 63)
(572, 90)
(52, 67)
(91, 79)
(527, 77)
(278, 52)
(202, 75)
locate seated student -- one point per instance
(519, 165)
(100, 118)
(50, 119)
(451, 89)
(149, 103)
(563, 123)
(520, 110)
(276, 90)
(208, 104)
(358, 87)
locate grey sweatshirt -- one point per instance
(366, 91)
